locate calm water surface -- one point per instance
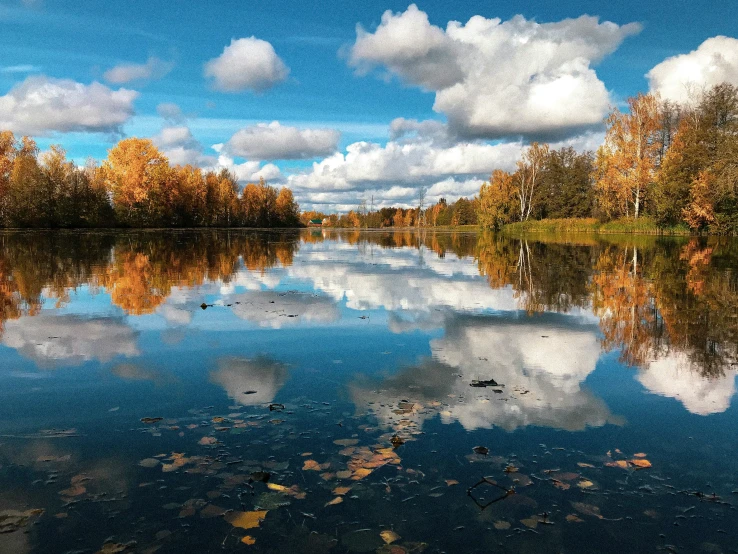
(238, 391)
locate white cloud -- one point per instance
(170, 112)
(543, 381)
(276, 310)
(247, 64)
(250, 382)
(180, 146)
(675, 376)
(249, 171)
(715, 61)
(394, 172)
(154, 68)
(41, 105)
(21, 68)
(498, 79)
(52, 341)
(277, 142)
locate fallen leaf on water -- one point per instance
(12, 520)
(584, 464)
(639, 455)
(361, 473)
(560, 484)
(211, 510)
(336, 500)
(389, 536)
(150, 420)
(587, 509)
(75, 490)
(149, 462)
(340, 491)
(248, 539)
(502, 525)
(207, 441)
(396, 441)
(116, 548)
(451, 482)
(346, 442)
(530, 522)
(246, 520)
(483, 450)
(311, 465)
(640, 463)
(573, 518)
(585, 484)
(344, 474)
(622, 464)
(276, 487)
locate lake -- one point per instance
(390, 392)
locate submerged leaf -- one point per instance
(246, 520)
(389, 536)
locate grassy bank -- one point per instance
(640, 226)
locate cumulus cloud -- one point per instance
(249, 171)
(276, 310)
(543, 381)
(41, 105)
(715, 61)
(170, 112)
(154, 68)
(250, 382)
(674, 376)
(53, 341)
(395, 171)
(181, 147)
(277, 142)
(497, 79)
(247, 64)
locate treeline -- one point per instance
(134, 187)
(442, 214)
(674, 163)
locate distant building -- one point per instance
(315, 223)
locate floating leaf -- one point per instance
(150, 420)
(207, 441)
(336, 500)
(501, 525)
(587, 509)
(483, 450)
(248, 539)
(246, 520)
(639, 455)
(340, 491)
(640, 463)
(531, 522)
(149, 462)
(389, 536)
(12, 520)
(622, 464)
(346, 442)
(311, 465)
(573, 518)
(585, 484)
(451, 482)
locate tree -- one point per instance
(626, 163)
(288, 212)
(131, 174)
(527, 176)
(497, 205)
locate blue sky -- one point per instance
(334, 84)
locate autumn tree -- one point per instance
(528, 176)
(626, 162)
(497, 205)
(288, 212)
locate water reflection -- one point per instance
(170, 347)
(667, 307)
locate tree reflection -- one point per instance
(653, 298)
